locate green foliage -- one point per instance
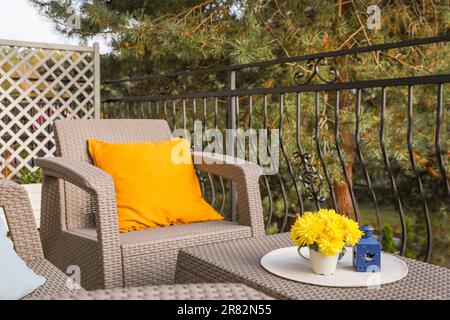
(272, 229)
(29, 177)
(387, 242)
(169, 35)
(417, 237)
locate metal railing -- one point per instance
(344, 142)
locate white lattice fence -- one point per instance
(40, 83)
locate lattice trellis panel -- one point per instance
(39, 84)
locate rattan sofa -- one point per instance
(24, 234)
(79, 216)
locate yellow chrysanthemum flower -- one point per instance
(330, 247)
(306, 229)
(353, 234)
(325, 230)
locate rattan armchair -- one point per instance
(25, 236)
(79, 215)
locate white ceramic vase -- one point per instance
(322, 264)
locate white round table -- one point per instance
(287, 263)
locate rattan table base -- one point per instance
(239, 261)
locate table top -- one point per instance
(239, 261)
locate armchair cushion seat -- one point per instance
(144, 250)
(179, 236)
(175, 236)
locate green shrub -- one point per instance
(387, 241)
(29, 177)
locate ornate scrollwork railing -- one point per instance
(314, 65)
(309, 177)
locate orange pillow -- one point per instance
(155, 183)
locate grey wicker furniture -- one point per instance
(25, 236)
(79, 216)
(205, 291)
(239, 261)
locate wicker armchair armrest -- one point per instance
(91, 179)
(85, 176)
(19, 216)
(100, 185)
(246, 176)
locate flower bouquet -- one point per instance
(325, 233)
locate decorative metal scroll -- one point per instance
(310, 177)
(301, 77)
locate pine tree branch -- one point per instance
(349, 38)
(361, 24)
(209, 17)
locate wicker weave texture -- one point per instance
(25, 236)
(19, 217)
(239, 261)
(55, 281)
(78, 198)
(211, 291)
(151, 259)
(100, 260)
(71, 142)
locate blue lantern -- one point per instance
(367, 252)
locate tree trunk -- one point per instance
(343, 198)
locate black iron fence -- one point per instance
(371, 142)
